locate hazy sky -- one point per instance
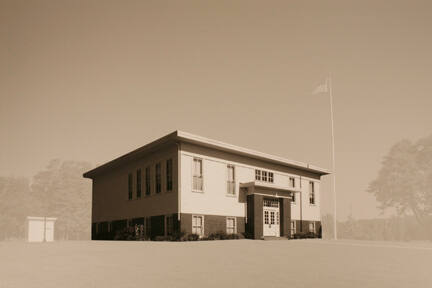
(91, 80)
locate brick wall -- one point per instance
(212, 224)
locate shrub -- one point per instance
(127, 234)
(192, 237)
(248, 235)
(305, 235)
(179, 236)
(221, 235)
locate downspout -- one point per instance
(178, 180)
(301, 206)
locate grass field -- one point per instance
(230, 263)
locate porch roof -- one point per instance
(259, 187)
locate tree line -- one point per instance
(57, 191)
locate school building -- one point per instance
(185, 182)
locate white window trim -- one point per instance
(202, 174)
(235, 182)
(235, 224)
(203, 226)
(295, 198)
(314, 194)
(314, 227)
(293, 231)
(268, 172)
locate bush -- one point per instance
(127, 234)
(192, 237)
(247, 235)
(221, 235)
(305, 235)
(130, 234)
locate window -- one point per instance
(169, 175)
(198, 225)
(130, 188)
(266, 176)
(292, 182)
(271, 203)
(158, 178)
(147, 179)
(231, 180)
(231, 225)
(293, 227)
(258, 175)
(311, 192)
(266, 217)
(312, 227)
(169, 224)
(138, 183)
(197, 175)
(293, 197)
(148, 226)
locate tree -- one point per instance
(63, 193)
(404, 181)
(14, 206)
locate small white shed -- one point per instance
(40, 229)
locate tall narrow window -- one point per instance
(312, 227)
(158, 178)
(169, 224)
(292, 182)
(293, 227)
(231, 180)
(270, 177)
(258, 175)
(197, 175)
(293, 197)
(264, 176)
(130, 186)
(231, 225)
(169, 175)
(198, 225)
(138, 183)
(311, 192)
(147, 180)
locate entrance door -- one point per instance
(271, 217)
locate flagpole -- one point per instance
(333, 156)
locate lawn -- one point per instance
(230, 263)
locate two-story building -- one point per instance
(184, 182)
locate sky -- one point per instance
(92, 80)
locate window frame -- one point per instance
(148, 181)
(130, 186)
(231, 182)
(202, 224)
(138, 183)
(201, 176)
(158, 178)
(313, 226)
(292, 182)
(264, 176)
(169, 224)
(312, 199)
(169, 174)
(257, 175)
(270, 177)
(234, 231)
(293, 228)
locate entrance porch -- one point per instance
(268, 209)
